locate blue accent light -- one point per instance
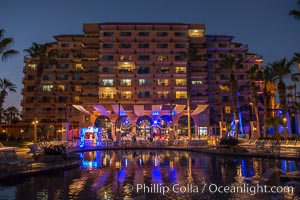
(156, 175)
(292, 166)
(98, 132)
(126, 122)
(82, 133)
(173, 176)
(122, 113)
(283, 165)
(126, 162)
(121, 175)
(86, 164)
(155, 113)
(155, 122)
(140, 162)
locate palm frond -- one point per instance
(9, 53)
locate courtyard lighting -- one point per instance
(35, 123)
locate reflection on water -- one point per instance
(110, 175)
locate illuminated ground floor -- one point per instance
(143, 121)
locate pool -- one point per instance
(154, 174)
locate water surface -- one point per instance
(149, 174)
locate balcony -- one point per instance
(89, 99)
(197, 40)
(197, 74)
(200, 87)
(90, 64)
(28, 82)
(90, 40)
(90, 52)
(199, 99)
(90, 76)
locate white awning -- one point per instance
(138, 110)
(178, 109)
(115, 107)
(101, 109)
(156, 109)
(199, 109)
(81, 109)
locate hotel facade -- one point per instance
(137, 78)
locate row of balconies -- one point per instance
(95, 40)
(133, 97)
(144, 26)
(160, 59)
(137, 86)
(134, 45)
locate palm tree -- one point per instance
(274, 122)
(255, 74)
(268, 94)
(5, 43)
(43, 56)
(5, 87)
(230, 63)
(295, 78)
(280, 69)
(191, 55)
(295, 13)
(12, 113)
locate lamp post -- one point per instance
(35, 123)
(284, 128)
(251, 117)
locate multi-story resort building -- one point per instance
(138, 78)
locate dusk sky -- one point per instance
(262, 24)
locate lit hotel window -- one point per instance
(180, 82)
(144, 82)
(108, 82)
(125, 58)
(163, 70)
(196, 33)
(227, 109)
(224, 88)
(32, 66)
(180, 70)
(181, 94)
(76, 98)
(197, 82)
(126, 94)
(162, 94)
(125, 82)
(162, 58)
(78, 88)
(106, 95)
(47, 88)
(78, 66)
(61, 87)
(162, 82)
